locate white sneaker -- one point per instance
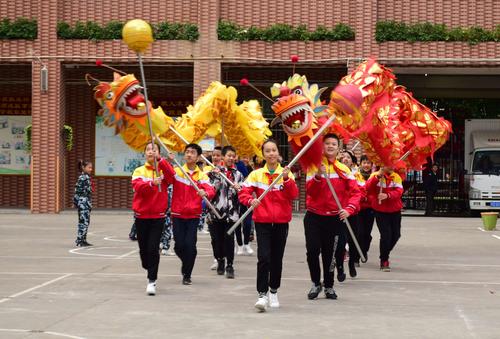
(248, 249)
(168, 252)
(262, 303)
(240, 250)
(151, 288)
(273, 300)
(214, 265)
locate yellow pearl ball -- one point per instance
(141, 105)
(137, 34)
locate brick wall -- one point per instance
(152, 10)
(15, 9)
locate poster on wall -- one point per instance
(112, 155)
(13, 157)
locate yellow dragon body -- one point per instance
(123, 108)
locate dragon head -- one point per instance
(297, 106)
(121, 101)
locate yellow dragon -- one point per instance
(123, 108)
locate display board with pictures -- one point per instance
(113, 157)
(13, 157)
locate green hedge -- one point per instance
(113, 31)
(400, 31)
(21, 28)
(227, 30)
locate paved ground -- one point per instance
(445, 282)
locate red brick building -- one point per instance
(180, 70)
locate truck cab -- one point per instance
(482, 164)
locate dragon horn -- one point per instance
(100, 63)
(88, 76)
(245, 82)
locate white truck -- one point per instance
(482, 164)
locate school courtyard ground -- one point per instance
(445, 282)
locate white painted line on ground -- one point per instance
(34, 288)
(51, 257)
(444, 282)
(481, 229)
(495, 236)
(459, 265)
(88, 249)
(127, 254)
(34, 273)
(86, 256)
(111, 238)
(463, 316)
(40, 331)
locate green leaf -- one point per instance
(22, 28)
(426, 31)
(113, 31)
(227, 30)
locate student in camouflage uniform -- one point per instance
(227, 205)
(166, 235)
(217, 161)
(83, 201)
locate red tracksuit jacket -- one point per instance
(319, 199)
(276, 207)
(148, 202)
(365, 199)
(392, 185)
(186, 203)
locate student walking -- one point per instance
(366, 216)
(149, 205)
(324, 220)
(226, 203)
(271, 217)
(82, 200)
(350, 160)
(186, 209)
(166, 235)
(385, 188)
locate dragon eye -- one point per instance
(298, 91)
(109, 95)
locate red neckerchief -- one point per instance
(271, 177)
(149, 167)
(340, 173)
(229, 173)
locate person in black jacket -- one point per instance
(431, 187)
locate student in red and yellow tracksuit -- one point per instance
(150, 205)
(350, 160)
(385, 189)
(366, 216)
(271, 217)
(323, 222)
(186, 209)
